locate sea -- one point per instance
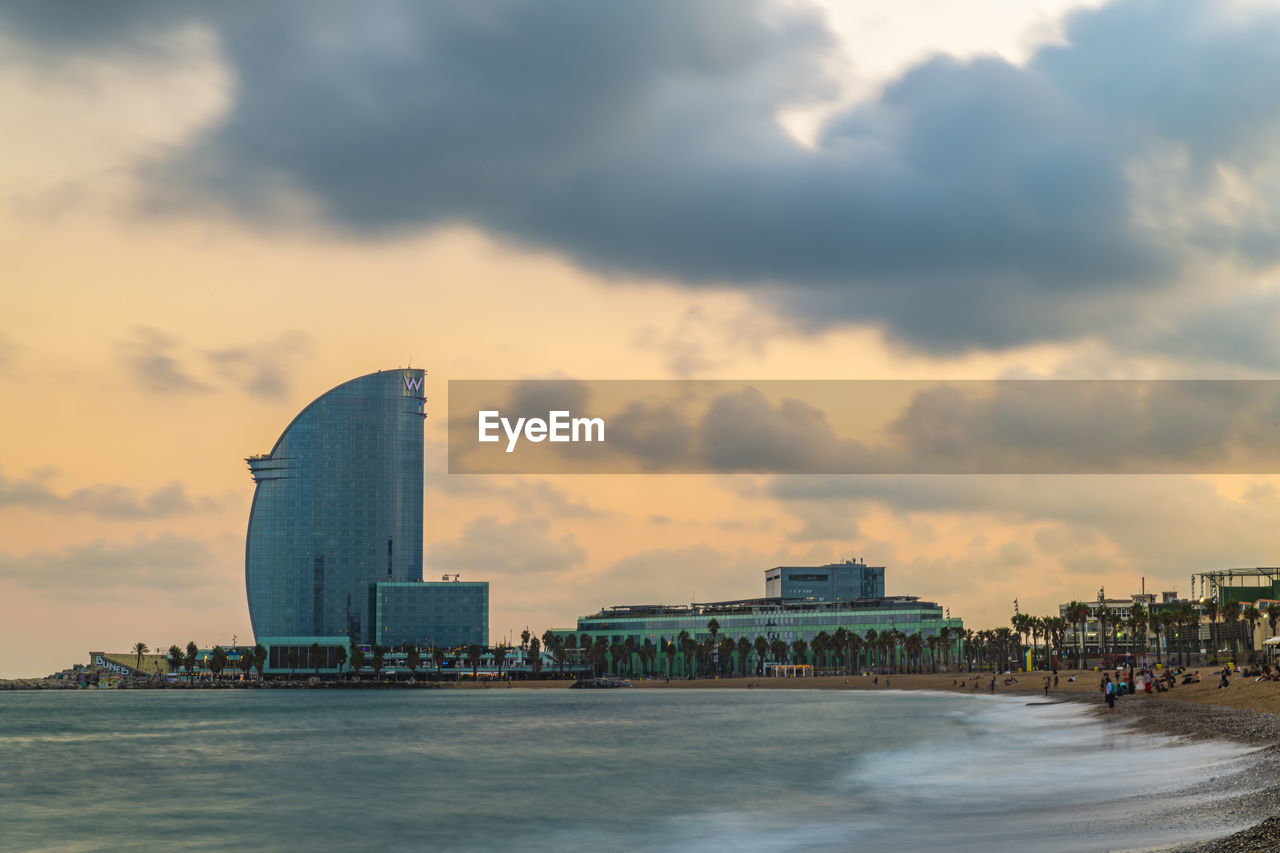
(603, 770)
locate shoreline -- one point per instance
(1246, 712)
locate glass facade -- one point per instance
(337, 508)
(773, 621)
(446, 614)
(800, 603)
(845, 581)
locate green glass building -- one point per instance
(787, 617)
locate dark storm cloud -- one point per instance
(973, 203)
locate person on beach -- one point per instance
(1046, 686)
(993, 683)
(1109, 691)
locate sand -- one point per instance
(1243, 693)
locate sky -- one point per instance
(213, 213)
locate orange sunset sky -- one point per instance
(213, 215)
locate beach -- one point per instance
(1246, 711)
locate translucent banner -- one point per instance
(559, 426)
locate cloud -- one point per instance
(104, 501)
(972, 203)
(262, 368)
(8, 352)
(1066, 426)
(695, 573)
(166, 562)
(525, 495)
(516, 548)
(1159, 526)
(149, 355)
(159, 361)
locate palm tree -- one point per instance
(913, 644)
(714, 627)
(798, 649)
(762, 651)
(377, 660)
(1211, 610)
(475, 652)
(840, 643)
(1273, 616)
(535, 655)
(1154, 625)
(438, 656)
(342, 659)
(189, 659)
(246, 662)
(1077, 613)
(1004, 638)
(1105, 615)
(778, 648)
(688, 647)
(500, 656)
(217, 661)
(525, 637)
(744, 650)
(1230, 616)
(944, 641)
(175, 659)
(1137, 625)
(1055, 627)
(357, 660)
(314, 654)
(1169, 621)
(1252, 615)
(628, 654)
(821, 645)
(1019, 621)
(560, 652)
(140, 649)
(1189, 618)
(669, 649)
(413, 659)
(292, 657)
(725, 649)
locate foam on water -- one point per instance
(636, 770)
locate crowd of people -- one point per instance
(1148, 681)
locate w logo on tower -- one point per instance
(413, 390)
